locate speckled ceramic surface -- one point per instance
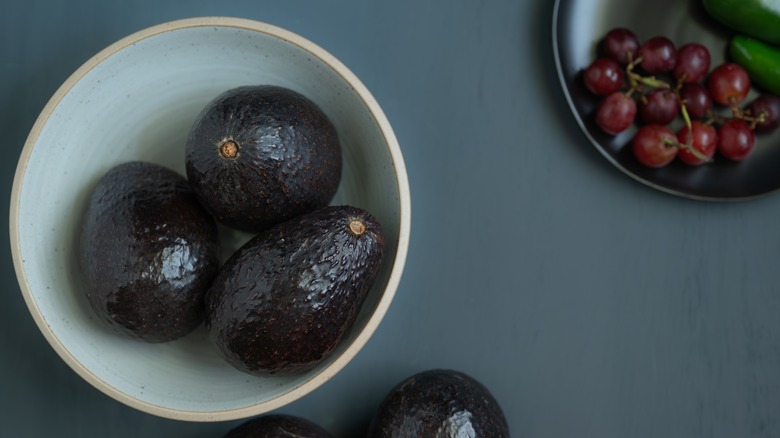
(136, 100)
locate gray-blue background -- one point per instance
(590, 305)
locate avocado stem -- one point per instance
(357, 227)
(228, 148)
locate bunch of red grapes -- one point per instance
(624, 74)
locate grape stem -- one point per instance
(689, 141)
(637, 81)
(687, 118)
(736, 113)
(756, 120)
(651, 81)
(713, 118)
(739, 113)
(670, 143)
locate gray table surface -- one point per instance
(589, 304)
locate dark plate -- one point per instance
(578, 25)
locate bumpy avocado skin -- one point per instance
(285, 300)
(147, 252)
(278, 426)
(288, 161)
(440, 404)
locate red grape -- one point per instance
(697, 99)
(693, 63)
(654, 145)
(729, 84)
(660, 107)
(703, 138)
(735, 139)
(769, 105)
(618, 43)
(604, 76)
(658, 55)
(615, 113)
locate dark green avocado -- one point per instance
(259, 155)
(147, 251)
(278, 426)
(441, 404)
(285, 300)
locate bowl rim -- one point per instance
(382, 306)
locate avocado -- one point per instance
(147, 252)
(259, 155)
(285, 300)
(278, 426)
(439, 403)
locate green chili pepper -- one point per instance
(761, 61)
(757, 18)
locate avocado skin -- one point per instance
(284, 301)
(442, 404)
(278, 426)
(288, 163)
(147, 252)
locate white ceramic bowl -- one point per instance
(136, 100)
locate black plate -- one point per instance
(578, 25)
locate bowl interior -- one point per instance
(138, 103)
